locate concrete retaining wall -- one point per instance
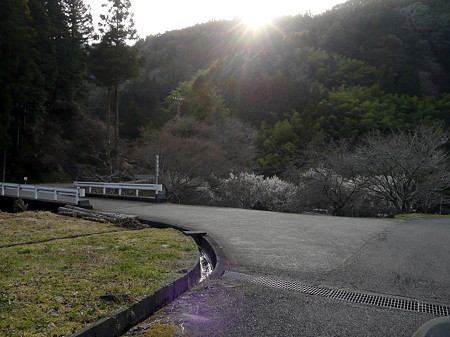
(126, 197)
(7, 202)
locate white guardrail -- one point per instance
(77, 193)
(119, 186)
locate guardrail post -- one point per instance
(35, 192)
(18, 191)
(77, 195)
(55, 195)
(106, 188)
(3, 188)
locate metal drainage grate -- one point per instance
(374, 300)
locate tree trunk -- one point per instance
(18, 130)
(116, 128)
(4, 166)
(108, 123)
(406, 206)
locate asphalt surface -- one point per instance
(381, 256)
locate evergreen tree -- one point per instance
(16, 68)
(117, 26)
(112, 60)
(78, 20)
(42, 47)
(79, 30)
(63, 28)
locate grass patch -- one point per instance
(37, 226)
(55, 288)
(413, 215)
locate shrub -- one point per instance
(19, 206)
(248, 190)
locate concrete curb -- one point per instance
(214, 253)
(125, 319)
(203, 240)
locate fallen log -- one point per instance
(122, 220)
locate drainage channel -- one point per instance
(206, 266)
(349, 296)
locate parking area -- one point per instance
(385, 257)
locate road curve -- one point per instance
(384, 256)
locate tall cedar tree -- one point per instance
(16, 67)
(112, 61)
(70, 28)
(79, 31)
(41, 53)
(15, 63)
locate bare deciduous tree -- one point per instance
(332, 180)
(185, 162)
(407, 168)
(383, 174)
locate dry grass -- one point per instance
(35, 226)
(54, 288)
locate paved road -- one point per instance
(404, 258)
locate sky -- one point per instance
(158, 16)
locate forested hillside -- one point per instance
(220, 97)
(362, 66)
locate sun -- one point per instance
(256, 21)
(256, 17)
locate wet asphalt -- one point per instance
(386, 257)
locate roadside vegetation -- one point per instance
(344, 113)
(379, 175)
(36, 226)
(414, 215)
(58, 287)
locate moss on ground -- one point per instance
(161, 330)
(413, 215)
(55, 288)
